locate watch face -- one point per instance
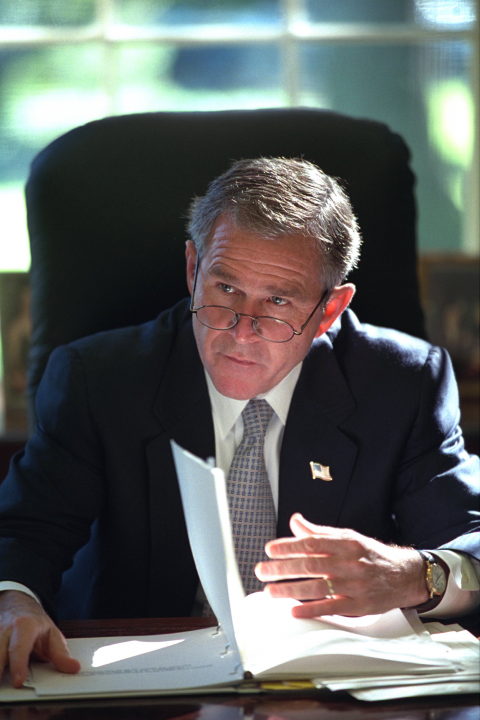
(439, 581)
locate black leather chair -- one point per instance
(106, 209)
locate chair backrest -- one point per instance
(106, 206)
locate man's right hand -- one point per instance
(26, 629)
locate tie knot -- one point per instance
(256, 417)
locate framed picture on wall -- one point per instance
(450, 287)
(450, 294)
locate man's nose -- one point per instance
(243, 331)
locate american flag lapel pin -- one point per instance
(320, 472)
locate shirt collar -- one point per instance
(226, 411)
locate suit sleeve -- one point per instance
(438, 481)
(55, 487)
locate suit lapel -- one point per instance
(321, 401)
(182, 407)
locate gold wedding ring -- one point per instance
(331, 590)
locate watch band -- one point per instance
(430, 563)
(427, 556)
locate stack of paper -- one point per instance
(464, 654)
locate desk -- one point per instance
(316, 705)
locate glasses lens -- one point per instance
(274, 330)
(216, 317)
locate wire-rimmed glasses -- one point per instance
(219, 317)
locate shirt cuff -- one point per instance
(9, 585)
(463, 588)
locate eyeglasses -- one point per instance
(218, 317)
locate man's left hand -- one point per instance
(336, 571)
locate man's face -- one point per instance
(256, 276)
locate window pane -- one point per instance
(444, 14)
(204, 78)
(360, 11)
(47, 12)
(43, 93)
(424, 94)
(198, 12)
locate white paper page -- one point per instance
(379, 681)
(154, 664)
(336, 653)
(394, 623)
(396, 692)
(208, 525)
(261, 616)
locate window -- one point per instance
(409, 63)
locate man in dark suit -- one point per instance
(363, 453)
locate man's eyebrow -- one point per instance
(218, 272)
(285, 291)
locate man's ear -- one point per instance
(191, 256)
(339, 299)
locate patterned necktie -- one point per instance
(252, 512)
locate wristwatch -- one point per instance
(436, 576)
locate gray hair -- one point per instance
(274, 197)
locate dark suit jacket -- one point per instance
(98, 480)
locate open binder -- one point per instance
(257, 640)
